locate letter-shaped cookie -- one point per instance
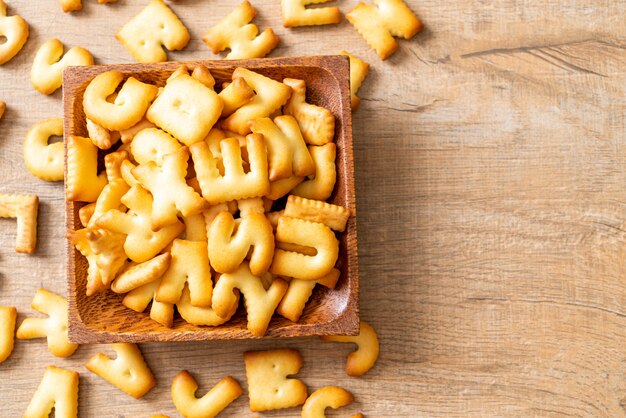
(190, 264)
(295, 13)
(309, 234)
(286, 149)
(239, 35)
(326, 397)
(100, 136)
(129, 106)
(153, 144)
(316, 123)
(235, 95)
(140, 274)
(83, 183)
(299, 292)
(184, 389)
(280, 188)
(113, 165)
(203, 315)
(380, 23)
(268, 385)
(363, 359)
(105, 255)
(128, 372)
(142, 243)
(24, 208)
(154, 27)
(170, 192)
(45, 160)
(59, 390)
(138, 300)
(8, 314)
(260, 303)
(358, 72)
(110, 198)
(270, 95)
(127, 135)
(54, 327)
(235, 183)
(333, 216)
(186, 108)
(46, 73)
(15, 30)
(321, 186)
(227, 250)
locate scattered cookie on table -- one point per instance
(295, 13)
(74, 5)
(236, 33)
(46, 74)
(269, 386)
(54, 328)
(45, 160)
(184, 389)
(154, 27)
(379, 24)
(363, 359)
(128, 372)
(358, 73)
(59, 390)
(326, 397)
(15, 30)
(8, 315)
(24, 209)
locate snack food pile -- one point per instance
(210, 193)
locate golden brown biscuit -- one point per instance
(24, 208)
(82, 181)
(299, 292)
(358, 72)
(105, 255)
(203, 315)
(326, 397)
(321, 185)
(15, 30)
(110, 198)
(153, 144)
(127, 109)
(228, 248)
(8, 315)
(128, 372)
(154, 27)
(333, 216)
(286, 149)
(184, 389)
(308, 234)
(138, 300)
(100, 136)
(186, 108)
(363, 359)
(113, 164)
(270, 95)
(316, 123)
(42, 159)
(46, 74)
(54, 328)
(170, 191)
(59, 390)
(269, 386)
(239, 35)
(190, 264)
(260, 303)
(142, 243)
(380, 23)
(137, 275)
(234, 183)
(235, 95)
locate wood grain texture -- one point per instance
(490, 174)
(102, 318)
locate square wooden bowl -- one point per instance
(103, 319)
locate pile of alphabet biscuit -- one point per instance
(183, 218)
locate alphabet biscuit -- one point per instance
(46, 73)
(15, 30)
(316, 123)
(295, 13)
(59, 390)
(363, 359)
(54, 328)
(269, 386)
(8, 315)
(24, 208)
(326, 397)
(42, 159)
(184, 389)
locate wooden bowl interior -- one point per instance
(102, 317)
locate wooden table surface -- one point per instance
(491, 183)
